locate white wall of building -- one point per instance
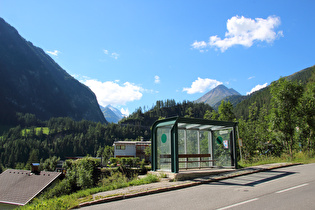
(130, 150)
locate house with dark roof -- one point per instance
(18, 187)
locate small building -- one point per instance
(180, 143)
(18, 187)
(131, 149)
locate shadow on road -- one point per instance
(254, 179)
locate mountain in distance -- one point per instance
(217, 94)
(262, 96)
(32, 82)
(112, 114)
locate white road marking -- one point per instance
(254, 199)
(238, 204)
(292, 188)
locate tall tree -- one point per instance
(33, 158)
(308, 114)
(284, 114)
(226, 111)
(211, 115)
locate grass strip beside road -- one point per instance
(82, 196)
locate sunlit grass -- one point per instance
(73, 200)
(37, 130)
(299, 157)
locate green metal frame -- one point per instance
(174, 122)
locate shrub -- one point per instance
(115, 177)
(114, 161)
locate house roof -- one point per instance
(18, 187)
(133, 142)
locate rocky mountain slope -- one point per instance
(112, 114)
(31, 82)
(217, 94)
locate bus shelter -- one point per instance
(185, 143)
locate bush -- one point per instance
(116, 177)
(113, 162)
(125, 161)
(80, 174)
(143, 169)
(62, 188)
(49, 164)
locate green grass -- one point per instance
(37, 130)
(299, 157)
(74, 199)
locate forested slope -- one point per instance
(34, 139)
(32, 82)
(165, 109)
(263, 96)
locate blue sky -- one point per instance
(132, 53)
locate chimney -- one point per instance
(35, 168)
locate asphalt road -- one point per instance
(284, 188)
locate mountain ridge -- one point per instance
(217, 94)
(111, 114)
(32, 82)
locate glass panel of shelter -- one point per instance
(163, 140)
(199, 146)
(221, 142)
(190, 144)
(213, 147)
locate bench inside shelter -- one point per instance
(190, 161)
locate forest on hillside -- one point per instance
(262, 98)
(281, 120)
(35, 140)
(278, 120)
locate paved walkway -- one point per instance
(165, 184)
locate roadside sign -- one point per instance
(225, 144)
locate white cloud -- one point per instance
(112, 55)
(256, 88)
(244, 31)
(199, 45)
(115, 55)
(201, 85)
(55, 52)
(157, 79)
(113, 93)
(251, 77)
(125, 112)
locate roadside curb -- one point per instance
(194, 182)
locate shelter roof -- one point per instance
(18, 187)
(194, 124)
